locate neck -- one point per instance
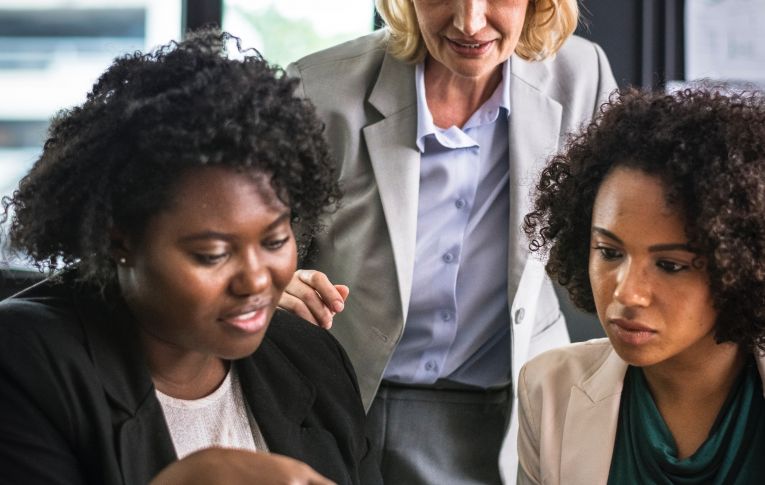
(182, 374)
(690, 390)
(452, 99)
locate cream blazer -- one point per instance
(569, 410)
(367, 100)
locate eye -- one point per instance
(608, 254)
(276, 244)
(671, 266)
(209, 259)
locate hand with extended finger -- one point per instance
(313, 297)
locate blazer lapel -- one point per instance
(532, 140)
(395, 160)
(145, 445)
(280, 399)
(143, 442)
(593, 411)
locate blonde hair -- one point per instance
(548, 24)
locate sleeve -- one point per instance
(33, 446)
(550, 330)
(606, 82)
(528, 437)
(337, 408)
(368, 465)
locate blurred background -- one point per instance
(52, 51)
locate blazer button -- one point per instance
(519, 314)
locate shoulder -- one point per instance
(345, 71)
(306, 345)
(371, 45)
(582, 72)
(42, 317)
(566, 366)
(578, 77)
(578, 55)
(45, 361)
(290, 332)
(545, 385)
(43, 342)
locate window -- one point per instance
(51, 53)
(284, 31)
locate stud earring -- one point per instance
(122, 261)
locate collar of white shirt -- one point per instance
(454, 137)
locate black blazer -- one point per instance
(77, 404)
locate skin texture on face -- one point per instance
(652, 299)
(470, 38)
(204, 280)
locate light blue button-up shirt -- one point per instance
(458, 327)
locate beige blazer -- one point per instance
(368, 101)
(569, 410)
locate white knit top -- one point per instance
(222, 419)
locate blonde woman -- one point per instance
(438, 123)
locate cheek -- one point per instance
(600, 284)
(699, 312)
(182, 291)
(431, 20)
(428, 32)
(284, 268)
(147, 282)
(511, 19)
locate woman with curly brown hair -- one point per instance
(155, 353)
(654, 218)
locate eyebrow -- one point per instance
(655, 247)
(285, 216)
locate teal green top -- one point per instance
(733, 453)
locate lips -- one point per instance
(631, 332)
(250, 319)
(469, 47)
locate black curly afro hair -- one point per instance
(709, 149)
(112, 161)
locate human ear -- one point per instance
(121, 247)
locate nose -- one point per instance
(633, 288)
(470, 16)
(252, 278)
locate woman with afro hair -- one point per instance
(163, 209)
(654, 218)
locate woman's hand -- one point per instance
(231, 466)
(311, 296)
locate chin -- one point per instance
(636, 357)
(240, 350)
(471, 68)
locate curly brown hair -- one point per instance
(708, 147)
(113, 161)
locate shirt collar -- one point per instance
(487, 113)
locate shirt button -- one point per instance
(460, 203)
(446, 315)
(519, 314)
(448, 257)
(430, 366)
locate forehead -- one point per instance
(634, 203)
(220, 194)
(203, 186)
